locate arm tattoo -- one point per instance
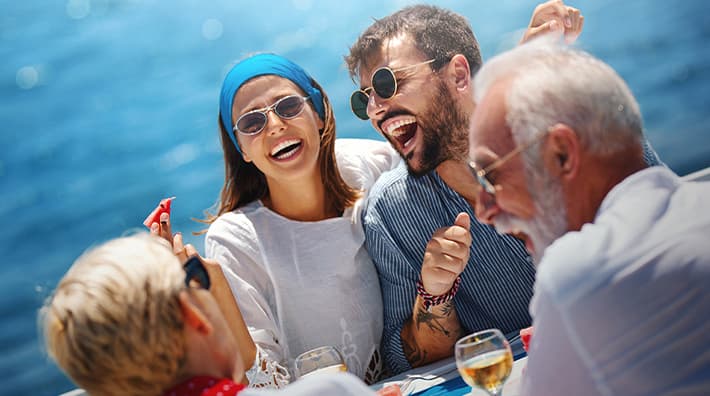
(432, 321)
(448, 308)
(414, 355)
(413, 352)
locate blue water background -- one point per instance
(108, 106)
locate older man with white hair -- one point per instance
(623, 262)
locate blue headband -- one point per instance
(262, 65)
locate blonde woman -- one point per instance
(129, 319)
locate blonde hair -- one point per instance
(114, 323)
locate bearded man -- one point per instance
(623, 264)
(414, 68)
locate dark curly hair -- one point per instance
(437, 33)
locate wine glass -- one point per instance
(325, 359)
(484, 360)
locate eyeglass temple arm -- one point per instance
(511, 154)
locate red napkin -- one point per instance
(154, 216)
(390, 390)
(526, 336)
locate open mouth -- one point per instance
(286, 149)
(401, 129)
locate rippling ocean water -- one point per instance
(106, 106)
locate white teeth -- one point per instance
(283, 145)
(391, 128)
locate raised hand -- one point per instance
(446, 256)
(554, 17)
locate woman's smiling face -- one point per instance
(286, 148)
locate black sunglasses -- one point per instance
(384, 83)
(253, 122)
(196, 271)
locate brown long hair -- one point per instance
(245, 183)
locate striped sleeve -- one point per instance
(399, 219)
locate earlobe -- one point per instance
(244, 155)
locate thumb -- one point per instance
(190, 250)
(463, 220)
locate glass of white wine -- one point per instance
(484, 360)
(325, 359)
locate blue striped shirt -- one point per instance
(401, 215)
(399, 219)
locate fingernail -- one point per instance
(154, 227)
(568, 22)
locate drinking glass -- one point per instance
(484, 360)
(325, 359)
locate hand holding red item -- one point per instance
(526, 336)
(154, 216)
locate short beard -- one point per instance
(444, 128)
(550, 219)
(550, 209)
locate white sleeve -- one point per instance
(231, 245)
(362, 161)
(341, 384)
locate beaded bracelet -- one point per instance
(430, 301)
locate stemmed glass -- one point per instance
(484, 360)
(325, 359)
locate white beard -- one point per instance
(549, 221)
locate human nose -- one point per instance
(274, 122)
(486, 206)
(376, 106)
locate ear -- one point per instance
(562, 152)
(192, 315)
(241, 152)
(460, 73)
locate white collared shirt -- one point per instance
(622, 307)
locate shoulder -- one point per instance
(649, 222)
(398, 189)
(360, 147)
(234, 229)
(238, 220)
(362, 161)
(400, 184)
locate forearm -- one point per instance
(233, 315)
(429, 336)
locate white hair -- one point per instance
(552, 83)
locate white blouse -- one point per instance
(301, 285)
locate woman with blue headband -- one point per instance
(287, 230)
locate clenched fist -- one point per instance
(446, 256)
